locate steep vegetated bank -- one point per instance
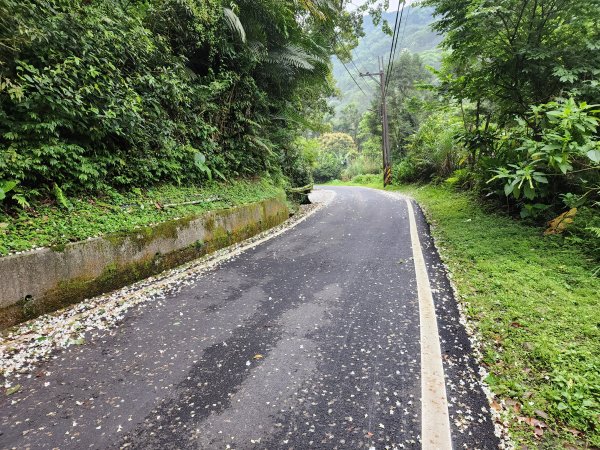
(97, 215)
(114, 95)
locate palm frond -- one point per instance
(316, 7)
(293, 56)
(233, 21)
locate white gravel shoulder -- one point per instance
(22, 348)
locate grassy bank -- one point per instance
(48, 224)
(372, 181)
(536, 304)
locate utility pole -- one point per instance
(387, 163)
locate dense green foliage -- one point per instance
(522, 74)
(335, 151)
(118, 94)
(512, 113)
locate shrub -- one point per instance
(336, 151)
(368, 179)
(433, 151)
(404, 172)
(102, 102)
(328, 168)
(556, 151)
(362, 166)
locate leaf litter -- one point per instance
(24, 347)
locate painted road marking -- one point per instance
(435, 422)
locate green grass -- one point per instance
(47, 224)
(536, 305)
(372, 181)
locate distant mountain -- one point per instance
(417, 38)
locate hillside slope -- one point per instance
(417, 38)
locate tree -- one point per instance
(341, 145)
(517, 53)
(335, 152)
(118, 93)
(349, 121)
(407, 102)
(524, 75)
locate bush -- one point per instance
(432, 152)
(405, 172)
(328, 168)
(368, 179)
(362, 166)
(103, 101)
(555, 151)
(336, 150)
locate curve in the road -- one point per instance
(309, 340)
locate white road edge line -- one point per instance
(435, 421)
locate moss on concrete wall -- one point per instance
(113, 261)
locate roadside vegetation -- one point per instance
(534, 302)
(113, 103)
(503, 143)
(90, 216)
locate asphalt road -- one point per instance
(309, 340)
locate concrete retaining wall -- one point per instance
(45, 280)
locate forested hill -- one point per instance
(418, 38)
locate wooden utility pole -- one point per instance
(385, 139)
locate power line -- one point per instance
(390, 67)
(394, 39)
(359, 72)
(353, 64)
(405, 24)
(395, 47)
(353, 79)
(401, 37)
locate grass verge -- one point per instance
(47, 224)
(372, 181)
(536, 306)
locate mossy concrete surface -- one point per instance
(45, 280)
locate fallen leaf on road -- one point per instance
(258, 356)
(13, 390)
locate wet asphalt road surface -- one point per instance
(309, 340)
